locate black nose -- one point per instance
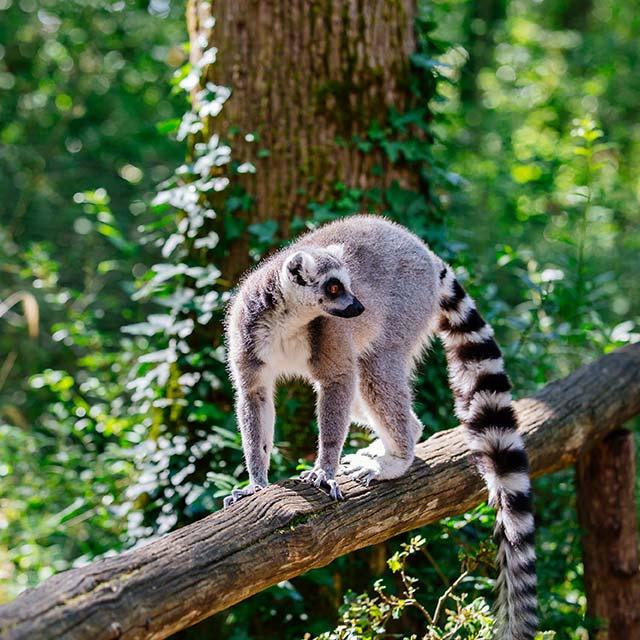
(356, 308)
(353, 310)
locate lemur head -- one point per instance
(318, 279)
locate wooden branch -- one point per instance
(289, 528)
(606, 479)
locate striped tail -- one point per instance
(483, 404)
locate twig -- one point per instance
(410, 590)
(446, 595)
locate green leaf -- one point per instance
(265, 232)
(168, 126)
(394, 563)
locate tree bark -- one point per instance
(606, 477)
(306, 77)
(289, 528)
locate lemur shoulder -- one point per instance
(351, 307)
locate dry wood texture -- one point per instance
(290, 528)
(606, 475)
(306, 77)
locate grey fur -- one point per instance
(283, 322)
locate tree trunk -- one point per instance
(306, 77)
(607, 512)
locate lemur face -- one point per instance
(318, 280)
(337, 300)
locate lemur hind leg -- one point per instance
(386, 392)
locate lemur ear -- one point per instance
(301, 268)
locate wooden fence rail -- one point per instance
(289, 528)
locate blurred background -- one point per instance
(514, 150)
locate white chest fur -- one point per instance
(285, 349)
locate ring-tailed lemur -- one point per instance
(298, 315)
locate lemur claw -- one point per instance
(319, 478)
(237, 494)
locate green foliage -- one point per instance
(67, 508)
(372, 617)
(544, 217)
(61, 511)
(549, 167)
(81, 90)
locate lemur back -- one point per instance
(351, 307)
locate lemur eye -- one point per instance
(333, 287)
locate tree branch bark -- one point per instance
(289, 528)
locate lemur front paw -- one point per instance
(320, 478)
(237, 494)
